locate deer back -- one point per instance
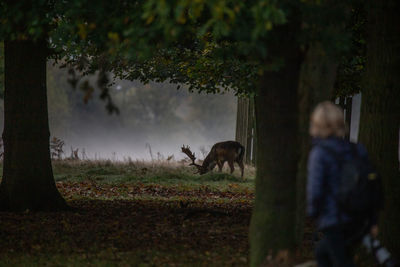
(225, 151)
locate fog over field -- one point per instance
(153, 115)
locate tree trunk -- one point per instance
(250, 128)
(254, 152)
(239, 121)
(348, 116)
(317, 79)
(380, 109)
(242, 123)
(272, 229)
(28, 181)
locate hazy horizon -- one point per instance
(155, 115)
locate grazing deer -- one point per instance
(230, 151)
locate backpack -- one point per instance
(357, 186)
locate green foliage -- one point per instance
(25, 19)
(351, 67)
(209, 69)
(208, 45)
(196, 47)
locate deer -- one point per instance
(230, 151)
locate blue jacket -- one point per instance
(322, 185)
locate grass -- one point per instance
(161, 173)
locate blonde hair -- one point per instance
(327, 120)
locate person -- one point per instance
(340, 229)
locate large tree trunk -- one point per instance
(28, 181)
(317, 79)
(380, 110)
(272, 228)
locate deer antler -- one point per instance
(191, 156)
(189, 153)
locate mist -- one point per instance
(155, 119)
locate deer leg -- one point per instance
(231, 166)
(212, 165)
(241, 167)
(220, 165)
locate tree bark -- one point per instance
(249, 131)
(272, 229)
(242, 123)
(380, 109)
(28, 181)
(254, 152)
(348, 115)
(239, 120)
(317, 79)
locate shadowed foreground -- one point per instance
(148, 224)
(138, 214)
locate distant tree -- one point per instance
(60, 105)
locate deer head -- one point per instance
(192, 157)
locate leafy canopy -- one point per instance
(209, 45)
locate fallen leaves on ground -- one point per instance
(172, 232)
(88, 189)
